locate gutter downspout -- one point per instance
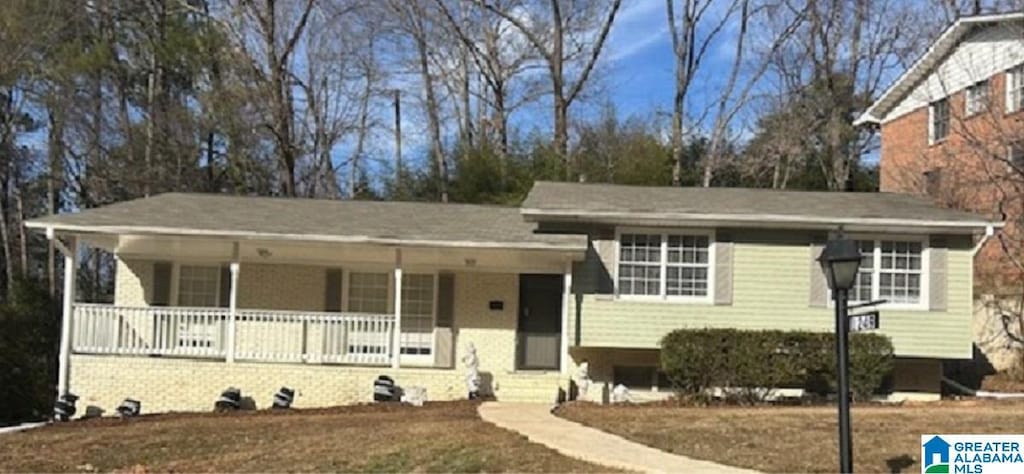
(70, 264)
(990, 230)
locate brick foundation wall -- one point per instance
(187, 385)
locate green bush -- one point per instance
(750, 365)
(29, 335)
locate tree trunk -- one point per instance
(55, 183)
(433, 118)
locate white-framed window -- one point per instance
(368, 292)
(863, 286)
(658, 264)
(686, 269)
(900, 273)
(938, 123)
(1015, 88)
(639, 264)
(893, 270)
(373, 292)
(976, 97)
(417, 314)
(198, 285)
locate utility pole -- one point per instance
(398, 139)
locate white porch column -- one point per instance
(70, 252)
(566, 299)
(232, 305)
(396, 345)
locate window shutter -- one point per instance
(332, 290)
(723, 272)
(818, 287)
(937, 283)
(444, 342)
(161, 284)
(225, 286)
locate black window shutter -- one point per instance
(332, 290)
(161, 284)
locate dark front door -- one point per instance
(540, 322)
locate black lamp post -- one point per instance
(840, 261)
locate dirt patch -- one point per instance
(799, 439)
(439, 437)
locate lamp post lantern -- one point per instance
(840, 260)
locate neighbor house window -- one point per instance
(417, 314)
(673, 265)
(1015, 88)
(198, 285)
(939, 113)
(890, 270)
(976, 98)
(1015, 156)
(368, 292)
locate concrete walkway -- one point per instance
(22, 427)
(536, 422)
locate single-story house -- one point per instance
(323, 296)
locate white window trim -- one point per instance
(213, 331)
(987, 100)
(1009, 155)
(931, 121)
(924, 296)
(664, 232)
(176, 280)
(1008, 79)
(405, 359)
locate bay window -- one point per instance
(664, 265)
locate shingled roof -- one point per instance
(429, 224)
(581, 202)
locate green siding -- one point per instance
(771, 289)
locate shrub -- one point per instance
(29, 334)
(750, 365)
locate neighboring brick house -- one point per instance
(952, 128)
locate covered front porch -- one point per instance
(308, 302)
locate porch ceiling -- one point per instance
(204, 249)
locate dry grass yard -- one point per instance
(439, 437)
(799, 439)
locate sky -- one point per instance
(636, 72)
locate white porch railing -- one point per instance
(260, 335)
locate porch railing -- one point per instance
(260, 335)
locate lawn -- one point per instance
(799, 439)
(439, 437)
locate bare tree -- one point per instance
(268, 32)
(502, 59)
(419, 24)
(692, 33)
(569, 37)
(839, 59)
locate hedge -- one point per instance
(752, 364)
